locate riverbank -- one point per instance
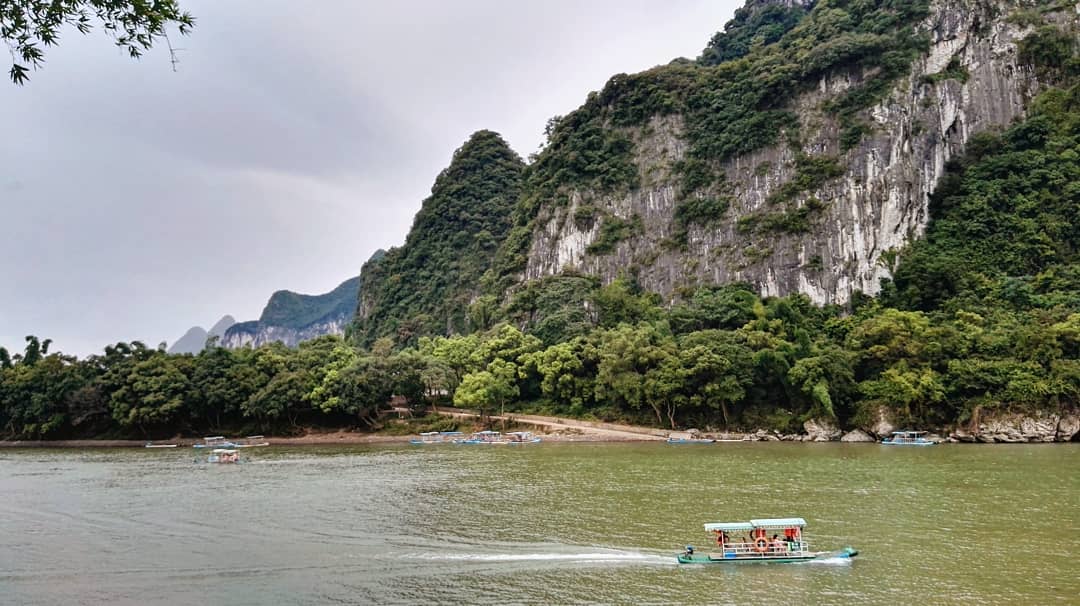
(1019, 429)
(549, 429)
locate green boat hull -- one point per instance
(705, 558)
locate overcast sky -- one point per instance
(294, 140)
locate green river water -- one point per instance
(552, 523)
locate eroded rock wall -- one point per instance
(870, 212)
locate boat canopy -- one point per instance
(214, 438)
(224, 451)
(779, 523)
(908, 433)
(729, 527)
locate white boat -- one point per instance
(250, 442)
(223, 455)
(521, 437)
(152, 445)
(499, 439)
(437, 437)
(215, 442)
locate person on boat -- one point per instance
(777, 545)
(721, 538)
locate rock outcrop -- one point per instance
(883, 425)
(821, 430)
(1015, 428)
(857, 435)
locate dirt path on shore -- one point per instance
(573, 429)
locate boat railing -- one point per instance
(745, 550)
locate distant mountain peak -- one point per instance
(193, 341)
(219, 327)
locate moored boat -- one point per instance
(437, 437)
(215, 442)
(907, 438)
(482, 437)
(756, 544)
(499, 439)
(152, 445)
(521, 437)
(691, 441)
(250, 442)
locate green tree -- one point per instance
(486, 389)
(29, 26)
(627, 355)
(152, 395)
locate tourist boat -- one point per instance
(437, 437)
(908, 438)
(250, 442)
(482, 437)
(521, 437)
(215, 442)
(773, 540)
(497, 438)
(691, 441)
(223, 455)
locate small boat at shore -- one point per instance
(907, 438)
(152, 445)
(691, 441)
(250, 442)
(500, 439)
(437, 437)
(215, 442)
(756, 545)
(521, 437)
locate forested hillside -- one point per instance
(428, 285)
(977, 318)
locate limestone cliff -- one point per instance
(838, 232)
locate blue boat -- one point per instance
(756, 546)
(907, 438)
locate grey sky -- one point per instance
(295, 139)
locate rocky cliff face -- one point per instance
(256, 333)
(968, 82)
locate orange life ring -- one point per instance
(761, 545)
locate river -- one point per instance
(552, 523)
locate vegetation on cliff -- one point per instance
(733, 100)
(427, 285)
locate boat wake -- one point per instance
(605, 557)
(831, 561)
